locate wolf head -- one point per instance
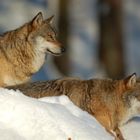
(43, 36)
(131, 98)
(114, 102)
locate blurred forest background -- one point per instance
(102, 37)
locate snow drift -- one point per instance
(51, 118)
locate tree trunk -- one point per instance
(111, 43)
(62, 62)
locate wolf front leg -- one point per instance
(116, 135)
(119, 135)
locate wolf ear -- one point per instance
(50, 19)
(130, 81)
(37, 20)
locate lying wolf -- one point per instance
(23, 51)
(112, 102)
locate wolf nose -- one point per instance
(63, 50)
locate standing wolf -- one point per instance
(111, 102)
(23, 51)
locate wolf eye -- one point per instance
(50, 36)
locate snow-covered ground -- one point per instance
(131, 131)
(51, 118)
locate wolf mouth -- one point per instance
(56, 54)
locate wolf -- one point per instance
(111, 102)
(23, 50)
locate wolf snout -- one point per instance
(63, 50)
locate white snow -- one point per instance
(131, 130)
(51, 118)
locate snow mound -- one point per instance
(131, 129)
(51, 118)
